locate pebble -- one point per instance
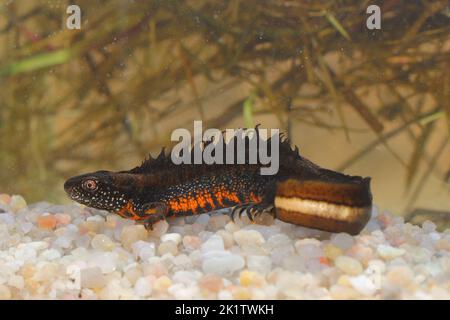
(363, 285)
(63, 218)
(92, 278)
(5, 199)
(223, 265)
(388, 252)
(214, 243)
(261, 264)
(132, 274)
(332, 251)
(309, 251)
(111, 221)
(7, 218)
(26, 227)
(241, 293)
(342, 240)
(348, 265)
(143, 287)
(162, 283)
(102, 242)
(400, 276)
(217, 222)
(47, 222)
(175, 237)
(231, 227)
(203, 219)
(47, 250)
(167, 247)
(251, 278)
(90, 226)
(211, 282)
(5, 293)
(131, 234)
(243, 237)
(192, 242)
(17, 203)
(17, 282)
(143, 250)
(340, 292)
(228, 240)
(51, 254)
(159, 229)
(265, 219)
(106, 261)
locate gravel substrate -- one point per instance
(52, 251)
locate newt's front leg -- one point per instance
(149, 213)
(153, 212)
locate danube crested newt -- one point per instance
(300, 193)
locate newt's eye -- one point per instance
(90, 185)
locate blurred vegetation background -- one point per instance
(366, 102)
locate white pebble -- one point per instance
(348, 265)
(7, 218)
(92, 278)
(51, 254)
(96, 218)
(224, 265)
(106, 261)
(16, 281)
(261, 264)
(243, 237)
(159, 229)
(102, 242)
(309, 250)
(143, 250)
(143, 287)
(342, 240)
(215, 242)
(175, 237)
(389, 252)
(363, 285)
(26, 227)
(17, 203)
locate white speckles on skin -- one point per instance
(103, 198)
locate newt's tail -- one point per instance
(334, 205)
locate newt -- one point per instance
(300, 193)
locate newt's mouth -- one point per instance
(72, 188)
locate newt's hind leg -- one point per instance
(252, 210)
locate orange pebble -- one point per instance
(5, 198)
(324, 261)
(47, 222)
(211, 282)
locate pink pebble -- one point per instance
(63, 218)
(192, 242)
(5, 198)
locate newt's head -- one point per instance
(98, 190)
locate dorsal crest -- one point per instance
(164, 162)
